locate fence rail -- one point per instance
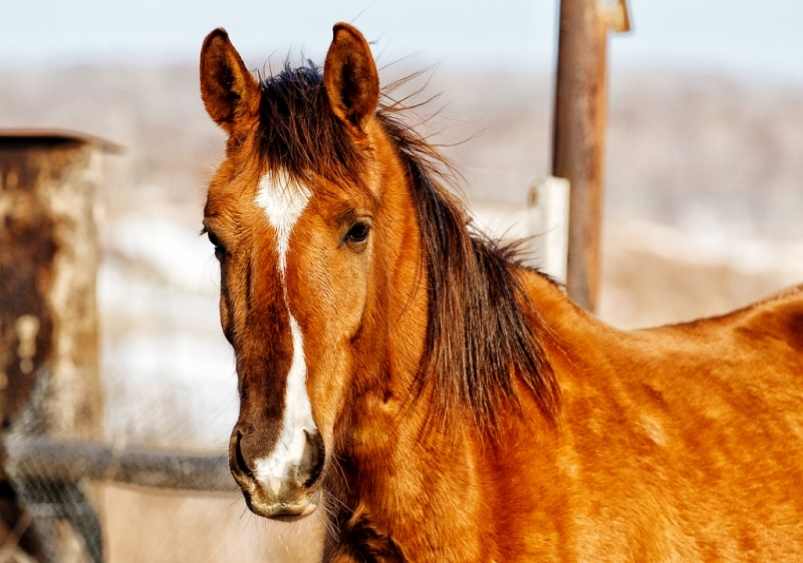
(45, 459)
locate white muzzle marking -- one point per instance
(284, 201)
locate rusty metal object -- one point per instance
(579, 131)
(48, 266)
(49, 374)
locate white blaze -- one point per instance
(283, 202)
(297, 417)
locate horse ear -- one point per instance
(230, 93)
(350, 76)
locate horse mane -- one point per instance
(481, 334)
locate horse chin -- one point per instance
(284, 511)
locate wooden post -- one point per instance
(579, 131)
(49, 377)
(548, 206)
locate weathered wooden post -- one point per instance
(579, 130)
(49, 377)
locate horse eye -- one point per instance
(220, 250)
(357, 233)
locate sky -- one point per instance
(758, 37)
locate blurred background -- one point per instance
(703, 195)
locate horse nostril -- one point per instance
(238, 457)
(312, 461)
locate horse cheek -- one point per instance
(349, 286)
(352, 289)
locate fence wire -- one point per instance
(80, 506)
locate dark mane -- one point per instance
(481, 333)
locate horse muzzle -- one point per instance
(281, 485)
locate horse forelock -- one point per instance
(297, 132)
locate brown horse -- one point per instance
(441, 401)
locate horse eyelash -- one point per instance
(219, 248)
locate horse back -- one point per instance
(685, 442)
(777, 319)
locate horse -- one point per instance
(440, 400)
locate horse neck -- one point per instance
(552, 303)
(392, 342)
(571, 334)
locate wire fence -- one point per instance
(131, 501)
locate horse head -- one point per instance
(293, 213)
